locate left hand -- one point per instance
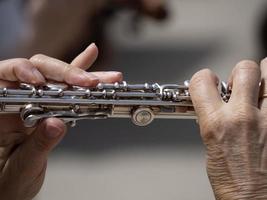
(24, 151)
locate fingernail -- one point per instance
(92, 45)
(38, 76)
(52, 132)
(118, 74)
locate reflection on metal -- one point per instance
(141, 102)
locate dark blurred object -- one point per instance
(155, 9)
(263, 36)
(62, 29)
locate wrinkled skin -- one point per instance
(24, 151)
(58, 29)
(234, 133)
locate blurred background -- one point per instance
(163, 41)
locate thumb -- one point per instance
(36, 149)
(26, 167)
(47, 135)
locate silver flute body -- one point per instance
(141, 102)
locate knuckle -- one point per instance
(244, 116)
(200, 76)
(69, 69)
(17, 68)
(37, 57)
(21, 63)
(264, 62)
(246, 65)
(221, 125)
(210, 128)
(119, 76)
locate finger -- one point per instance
(204, 93)
(263, 89)
(57, 70)
(26, 167)
(21, 70)
(9, 84)
(47, 135)
(244, 80)
(86, 59)
(4, 155)
(108, 77)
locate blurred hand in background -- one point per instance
(62, 29)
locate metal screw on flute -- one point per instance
(225, 91)
(142, 116)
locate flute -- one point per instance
(141, 102)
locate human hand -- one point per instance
(24, 151)
(234, 133)
(156, 9)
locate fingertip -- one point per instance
(38, 58)
(85, 59)
(55, 122)
(92, 47)
(54, 128)
(92, 52)
(119, 76)
(202, 76)
(246, 66)
(108, 76)
(263, 62)
(47, 135)
(115, 76)
(264, 59)
(244, 80)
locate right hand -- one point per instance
(234, 133)
(24, 151)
